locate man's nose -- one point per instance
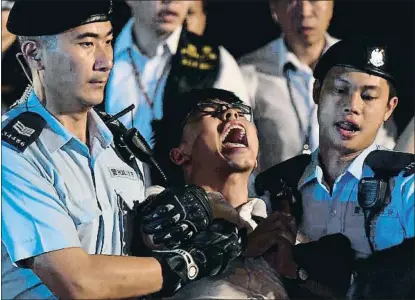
(230, 114)
(353, 104)
(305, 8)
(104, 60)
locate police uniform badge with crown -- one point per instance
(377, 57)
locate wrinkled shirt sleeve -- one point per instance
(34, 220)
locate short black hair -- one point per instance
(168, 131)
(392, 90)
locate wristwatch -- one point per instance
(302, 274)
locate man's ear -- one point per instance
(392, 103)
(178, 157)
(31, 51)
(316, 91)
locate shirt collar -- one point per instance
(125, 40)
(314, 170)
(286, 56)
(56, 135)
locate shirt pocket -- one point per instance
(389, 230)
(88, 219)
(83, 210)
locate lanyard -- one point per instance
(307, 133)
(137, 75)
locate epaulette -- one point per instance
(287, 173)
(23, 130)
(385, 163)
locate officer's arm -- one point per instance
(38, 232)
(73, 274)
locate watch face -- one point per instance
(302, 274)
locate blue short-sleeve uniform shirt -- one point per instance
(60, 193)
(339, 212)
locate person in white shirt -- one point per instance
(144, 54)
(279, 78)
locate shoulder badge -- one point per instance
(23, 130)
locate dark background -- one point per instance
(243, 26)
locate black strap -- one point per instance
(387, 164)
(281, 181)
(374, 193)
(195, 65)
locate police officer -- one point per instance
(67, 197)
(349, 185)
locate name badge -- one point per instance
(122, 173)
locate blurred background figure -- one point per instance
(13, 80)
(197, 17)
(280, 79)
(155, 58)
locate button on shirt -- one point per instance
(123, 88)
(59, 193)
(339, 212)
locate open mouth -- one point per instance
(234, 137)
(347, 128)
(168, 14)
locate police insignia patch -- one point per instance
(23, 130)
(377, 57)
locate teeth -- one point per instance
(234, 145)
(233, 127)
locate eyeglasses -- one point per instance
(217, 109)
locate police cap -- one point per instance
(364, 55)
(40, 17)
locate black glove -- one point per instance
(174, 216)
(329, 261)
(210, 253)
(386, 274)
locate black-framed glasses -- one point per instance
(217, 109)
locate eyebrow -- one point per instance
(372, 87)
(91, 35)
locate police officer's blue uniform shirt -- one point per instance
(328, 214)
(58, 193)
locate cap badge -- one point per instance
(377, 57)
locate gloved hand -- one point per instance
(386, 274)
(329, 261)
(208, 254)
(169, 219)
(275, 229)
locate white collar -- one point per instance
(286, 56)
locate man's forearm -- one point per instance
(71, 273)
(121, 277)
